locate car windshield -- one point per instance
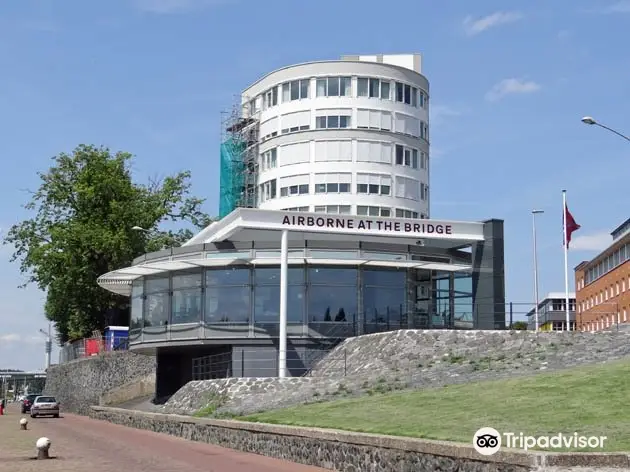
(31, 398)
(46, 400)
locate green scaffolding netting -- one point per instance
(231, 178)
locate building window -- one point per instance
(373, 88)
(294, 122)
(304, 208)
(374, 184)
(267, 295)
(332, 122)
(332, 183)
(374, 151)
(373, 211)
(406, 94)
(157, 302)
(402, 213)
(269, 159)
(228, 293)
(294, 185)
(334, 87)
(295, 90)
(374, 119)
(334, 150)
(268, 190)
(187, 298)
(334, 209)
(407, 157)
(424, 131)
(407, 188)
(270, 98)
(424, 191)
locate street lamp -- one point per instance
(48, 343)
(589, 120)
(534, 213)
(140, 228)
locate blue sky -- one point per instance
(509, 84)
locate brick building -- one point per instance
(603, 285)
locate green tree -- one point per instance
(84, 212)
(519, 325)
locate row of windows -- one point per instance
(341, 150)
(606, 294)
(342, 87)
(617, 258)
(361, 211)
(606, 321)
(368, 184)
(238, 295)
(381, 120)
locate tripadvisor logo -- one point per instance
(488, 441)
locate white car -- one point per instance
(45, 405)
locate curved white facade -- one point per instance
(344, 136)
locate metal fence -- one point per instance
(91, 346)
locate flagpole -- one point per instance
(566, 258)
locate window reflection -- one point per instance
(156, 309)
(267, 304)
(267, 295)
(384, 293)
(332, 276)
(463, 302)
(228, 295)
(186, 306)
(136, 313)
(330, 303)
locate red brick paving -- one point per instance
(83, 444)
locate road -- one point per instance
(80, 444)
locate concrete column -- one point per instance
(284, 289)
(489, 277)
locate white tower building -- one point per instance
(348, 136)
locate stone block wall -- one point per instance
(141, 387)
(80, 384)
(405, 359)
(345, 451)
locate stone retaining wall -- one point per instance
(405, 359)
(142, 387)
(345, 451)
(81, 383)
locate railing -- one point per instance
(263, 363)
(92, 346)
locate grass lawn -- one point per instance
(592, 401)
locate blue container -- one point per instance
(116, 338)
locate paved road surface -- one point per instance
(81, 444)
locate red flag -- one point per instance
(569, 224)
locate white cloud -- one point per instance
(474, 26)
(10, 338)
(19, 338)
(510, 87)
(591, 242)
(163, 7)
(440, 113)
(620, 7)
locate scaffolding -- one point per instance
(239, 158)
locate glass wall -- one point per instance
(137, 298)
(324, 297)
(463, 298)
(187, 298)
(267, 295)
(156, 303)
(228, 294)
(384, 293)
(332, 294)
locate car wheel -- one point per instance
(23, 411)
(33, 416)
(56, 416)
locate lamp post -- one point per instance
(589, 120)
(534, 213)
(48, 343)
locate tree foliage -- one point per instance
(85, 210)
(519, 325)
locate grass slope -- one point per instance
(592, 401)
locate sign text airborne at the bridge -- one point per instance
(337, 222)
